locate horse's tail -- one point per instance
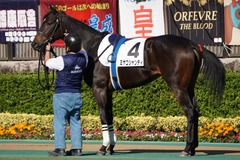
(214, 72)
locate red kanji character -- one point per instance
(143, 20)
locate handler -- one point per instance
(67, 99)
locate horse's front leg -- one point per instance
(104, 100)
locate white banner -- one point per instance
(141, 19)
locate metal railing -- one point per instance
(21, 52)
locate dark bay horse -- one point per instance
(176, 59)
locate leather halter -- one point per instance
(52, 31)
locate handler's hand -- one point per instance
(48, 47)
(65, 34)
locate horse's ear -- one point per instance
(53, 9)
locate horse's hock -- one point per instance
(32, 66)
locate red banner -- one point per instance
(100, 15)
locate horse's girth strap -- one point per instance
(114, 68)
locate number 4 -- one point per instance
(134, 50)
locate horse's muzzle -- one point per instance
(36, 46)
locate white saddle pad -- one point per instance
(130, 53)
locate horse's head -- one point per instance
(50, 30)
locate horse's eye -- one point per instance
(50, 20)
(237, 13)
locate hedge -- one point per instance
(21, 93)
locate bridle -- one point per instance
(42, 51)
(52, 31)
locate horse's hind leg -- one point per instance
(186, 99)
(192, 114)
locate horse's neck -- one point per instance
(89, 36)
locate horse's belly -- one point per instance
(135, 77)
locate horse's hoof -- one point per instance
(101, 153)
(110, 152)
(185, 154)
(192, 153)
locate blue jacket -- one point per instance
(69, 79)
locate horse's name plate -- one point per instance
(130, 53)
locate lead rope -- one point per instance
(48, 85)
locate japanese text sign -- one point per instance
(100, 15)
(141, 18)
(18, 20)
(200, 21)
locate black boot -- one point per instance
(57, 152)
(76, 152)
